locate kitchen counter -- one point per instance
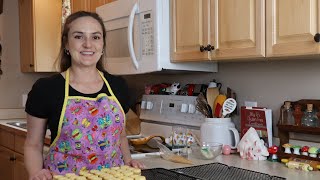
(153, 160)
(267, 167)
(21, 131)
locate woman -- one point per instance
(84, 105)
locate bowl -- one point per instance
(208, 150)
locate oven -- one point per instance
(159, 113)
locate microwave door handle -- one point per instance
(130, 38)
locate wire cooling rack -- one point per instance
(165, 174)
(218, 171)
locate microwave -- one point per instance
(138, 38)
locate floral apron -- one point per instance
(88, 133)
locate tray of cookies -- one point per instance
(123, 172)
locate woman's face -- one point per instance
(85, 42)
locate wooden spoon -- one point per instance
(212, 94)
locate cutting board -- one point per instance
(133, 123)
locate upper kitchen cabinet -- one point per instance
(87, 5)
(217, 29)
(291, 27)
(189, 30)
(40, 31)
(237, 29)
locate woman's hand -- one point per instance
(136, 164)
(44, 174)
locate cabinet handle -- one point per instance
(202, 48)
(12, 158)
(317, 37)
(31, 65)
(209, 47)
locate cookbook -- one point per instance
(260, 119)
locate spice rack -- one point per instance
(284, 130)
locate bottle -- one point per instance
(287, 114)
(297, 114)
(309, 118)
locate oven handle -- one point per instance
(130, 38)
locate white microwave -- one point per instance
(138, 38)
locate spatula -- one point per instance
(212, 94)
(228, 106)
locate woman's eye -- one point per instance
(77, 37)
(96, 37)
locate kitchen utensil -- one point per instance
(221, 130)
(167, 154)
(212, 93)
(208, 150)
(217, 111)
(219, 100)
(228, 106)
(203, 106)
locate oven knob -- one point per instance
(143, 104)
(184, 108)
(149, 105)
(192, 109)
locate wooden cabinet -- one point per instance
(291, 26)
(225, 29)
(189, 29)
(6, 163)
(40, 32)
(11, 155)
(237, 28)
(87, 5)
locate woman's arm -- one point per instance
(33, 148)
(126, 152)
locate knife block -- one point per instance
(284, 130)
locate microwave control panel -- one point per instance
(171, 109)
(147, 33)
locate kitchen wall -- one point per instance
(269, 83)
(13, 83)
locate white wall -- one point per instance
(13, 83)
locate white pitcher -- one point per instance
(220, 130)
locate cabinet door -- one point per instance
(237, 28)
(96, 3)
(80, 5)
(26, 36)
(48, 17)
(291, 26)
(20, 172)
(40, 31)
(189, 30)
(6, 163)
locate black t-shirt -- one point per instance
(45, 100)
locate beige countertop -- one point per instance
(267, 167)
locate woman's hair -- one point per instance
(64, 59)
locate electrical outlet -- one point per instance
(24, 99)
(251, 103)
